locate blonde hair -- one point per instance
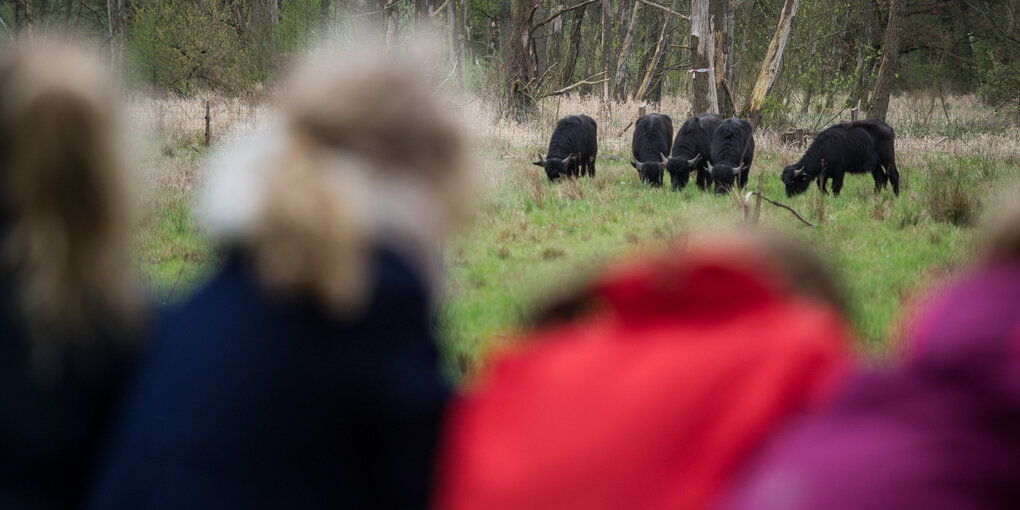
(1002, 236)
(359, 127)
(62, 192)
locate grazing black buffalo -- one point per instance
(572, 148)
(652, 134)
(732, 154)
(691, 150)
(854, 147)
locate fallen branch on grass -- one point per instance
(784, 206)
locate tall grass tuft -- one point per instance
(949, 199)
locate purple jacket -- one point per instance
(940, 432)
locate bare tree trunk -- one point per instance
(422, 11)
(522, 60)
(457, 37)
(654, 92)
(67, 14)
(115, 31)
(887, 69)
(325, 23)
(858, 88)
(390, 19)
(643, 87)
(266, 30)
(770, 66)
(722, 41)
(24, 18)
(605, 49)
(570, 63)
(620, 78)
(702, 57)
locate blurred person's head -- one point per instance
(64, 214)
(366, 154)
(790, 266)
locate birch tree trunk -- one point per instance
(620, 78)
(887, 69)
(770, 66)
(702, 56)
(722, 43)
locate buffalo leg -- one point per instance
(743, 177)
(837, 184)
(880, 178)
(894, 178)
(702, 179)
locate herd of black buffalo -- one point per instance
(720, 152)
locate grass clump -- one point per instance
(950, 196)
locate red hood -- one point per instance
(651, 400)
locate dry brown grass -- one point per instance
(176, 127)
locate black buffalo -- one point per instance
(691, 150)
(732, 154)
(854, 147)
(572, 148)
(652, 134)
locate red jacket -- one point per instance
(650, 400)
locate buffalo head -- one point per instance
(559, 167)
(795, 179)
(680, 170)
(724, 174)
(651, 171)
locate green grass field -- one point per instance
(531, 238)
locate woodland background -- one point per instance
(837, 54)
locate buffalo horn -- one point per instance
(694, 161)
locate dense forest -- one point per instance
(761, 58)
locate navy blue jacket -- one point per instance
(55, 416)
(250, 402)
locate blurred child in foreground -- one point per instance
(69, 308)
(939, 431)
(655, 385)
(305, 373)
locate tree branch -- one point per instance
(784, 206)
(439, 9)
(665, 10)
(568, 88)
(560, 13)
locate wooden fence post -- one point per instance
(207, 123)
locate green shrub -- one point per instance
(187, 46)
